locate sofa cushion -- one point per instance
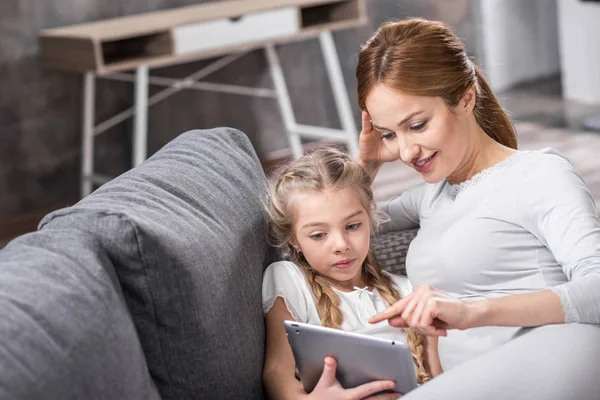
(65, 332)
(390, 249)
(186, 232)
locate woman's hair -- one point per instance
(329, 169)
(424, 58)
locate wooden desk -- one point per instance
(107, 49)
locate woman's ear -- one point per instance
(467, 102)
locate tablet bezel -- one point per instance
(360, 358)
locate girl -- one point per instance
(322, 213)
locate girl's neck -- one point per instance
(348, 286)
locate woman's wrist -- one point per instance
(479, 312)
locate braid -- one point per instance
(328, 302)
(383, 283)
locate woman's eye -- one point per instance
(353, 227)
(418, 127)
(317, 236)
(388, 135)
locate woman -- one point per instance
(507, 239)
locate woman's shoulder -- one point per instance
(545, 167)
(542, 159)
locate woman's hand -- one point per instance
(372, 152)
(429, 311)
(328, 387)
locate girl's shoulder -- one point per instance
(284, 270)
(284, 277)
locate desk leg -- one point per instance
(140, 129)
(283, 99)
(87, 140)
(340, 94)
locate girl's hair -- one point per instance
(329, 169)
(424, 58)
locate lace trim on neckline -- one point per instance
(456, 188)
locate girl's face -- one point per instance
(332, 229)
(421, 131)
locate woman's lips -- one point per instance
(422, 168)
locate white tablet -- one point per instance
(360, 358)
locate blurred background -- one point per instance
(542, 58)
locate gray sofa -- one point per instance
(151, 287)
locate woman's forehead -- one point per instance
(383, 100)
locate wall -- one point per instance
(520, 40)
(580, 51)
(40, 109)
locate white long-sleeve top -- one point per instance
(524, 225)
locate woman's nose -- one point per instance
(408, 150)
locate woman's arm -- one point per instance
(403, 210)
(526, 310)
(556, 206)
(432, 312)
(279, 372)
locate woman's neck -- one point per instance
(483, 152)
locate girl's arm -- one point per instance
(279, 372)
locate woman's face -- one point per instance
(421, 131)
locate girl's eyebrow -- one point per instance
(354, 214)
(409, 116)
(311, 224)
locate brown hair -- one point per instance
(331, 169)
(425, 58)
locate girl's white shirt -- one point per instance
(286, 280)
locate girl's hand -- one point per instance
(429, 311)
(373, 151)
(328, 387)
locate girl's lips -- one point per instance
(345, 264)
(425, 167)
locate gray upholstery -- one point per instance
(186, 233)
(390, 249)
(65, 332)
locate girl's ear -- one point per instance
(294, 243)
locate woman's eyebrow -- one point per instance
(409, 116)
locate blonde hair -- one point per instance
(330, 169)
(425, 58)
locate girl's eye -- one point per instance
(317, 236)
(353, 227)
(388, 135)
(418, 127)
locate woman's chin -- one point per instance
(432, 178)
